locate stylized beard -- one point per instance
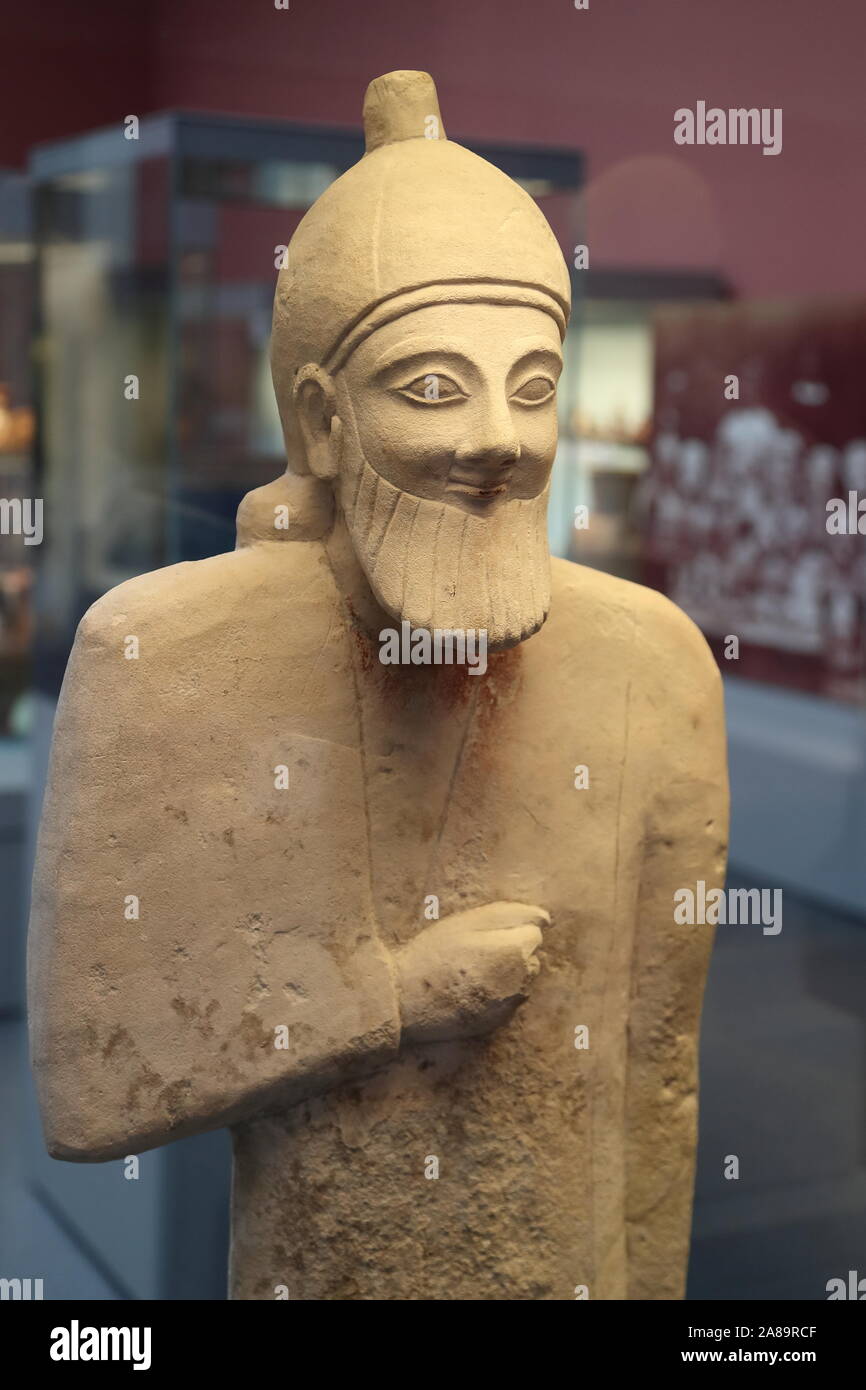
(435, 565)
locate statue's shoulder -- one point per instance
(238, 592)
(636, 628)
(279, 558)
(254, 631)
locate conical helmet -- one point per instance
(418, 220)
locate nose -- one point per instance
(490, 437)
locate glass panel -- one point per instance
(760, 445)
(232, 220)
(103, 305)
(21, 522)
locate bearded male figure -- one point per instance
(410, 934)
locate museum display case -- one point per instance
(759, 442)
(17, 539)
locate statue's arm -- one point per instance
(248, 974)
(677, 722)
(215, 996)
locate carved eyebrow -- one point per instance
(409, 353)
(536, 351)
(413, 350)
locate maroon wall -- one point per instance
(66, 68)
(607, 80)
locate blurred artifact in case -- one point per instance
(406, 926)
(740, 504)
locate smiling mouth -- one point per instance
(480, 493)
(480, 484)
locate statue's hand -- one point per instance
(466, 975)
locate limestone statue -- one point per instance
(406, 926)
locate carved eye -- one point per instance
(535, 391)
(433, 388)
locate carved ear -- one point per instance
(321, 429)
